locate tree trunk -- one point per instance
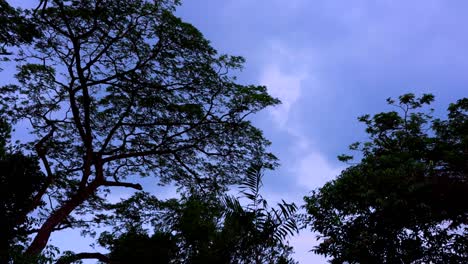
(43, 235)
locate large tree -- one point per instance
(405, 200)
(115, 89)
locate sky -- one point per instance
(330, 61)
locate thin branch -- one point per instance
(42, 5)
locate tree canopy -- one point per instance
(117, 89)
(405, 200)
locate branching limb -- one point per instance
(41, 152)
(61, 227)
(85, 255)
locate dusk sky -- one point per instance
(330, 62)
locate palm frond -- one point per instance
(250, 186)
(232, 205)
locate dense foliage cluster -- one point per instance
(20, 178)
(405, 201)
(15, 28)
(202, 228)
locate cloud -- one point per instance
(303, 243)
(282, 83)
(285, 73)
(283, 86)
(314, 170)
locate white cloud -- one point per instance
(310, 168)
(282, 82)
(303, 243)
(283, 86)
(313, 170)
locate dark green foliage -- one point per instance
(256, 230)
(405, 201)
(5, 134)
(144, 249)
(203, 229)
(15, 27)
(20, 179)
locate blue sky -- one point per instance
(330, 61)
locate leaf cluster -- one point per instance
(16, 27)
(201, 229)
(404, 201)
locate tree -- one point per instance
(404, 201)
(201, 229)
(20, 178)
(115, 89)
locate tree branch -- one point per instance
(85, 255)
(117, 125)
(41, 152)
(43, 235)
(123, 184)
(62, 227)
(145, 153)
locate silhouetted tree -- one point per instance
(20, 179)
(202, 229)
(405, 201)
(114, 89)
